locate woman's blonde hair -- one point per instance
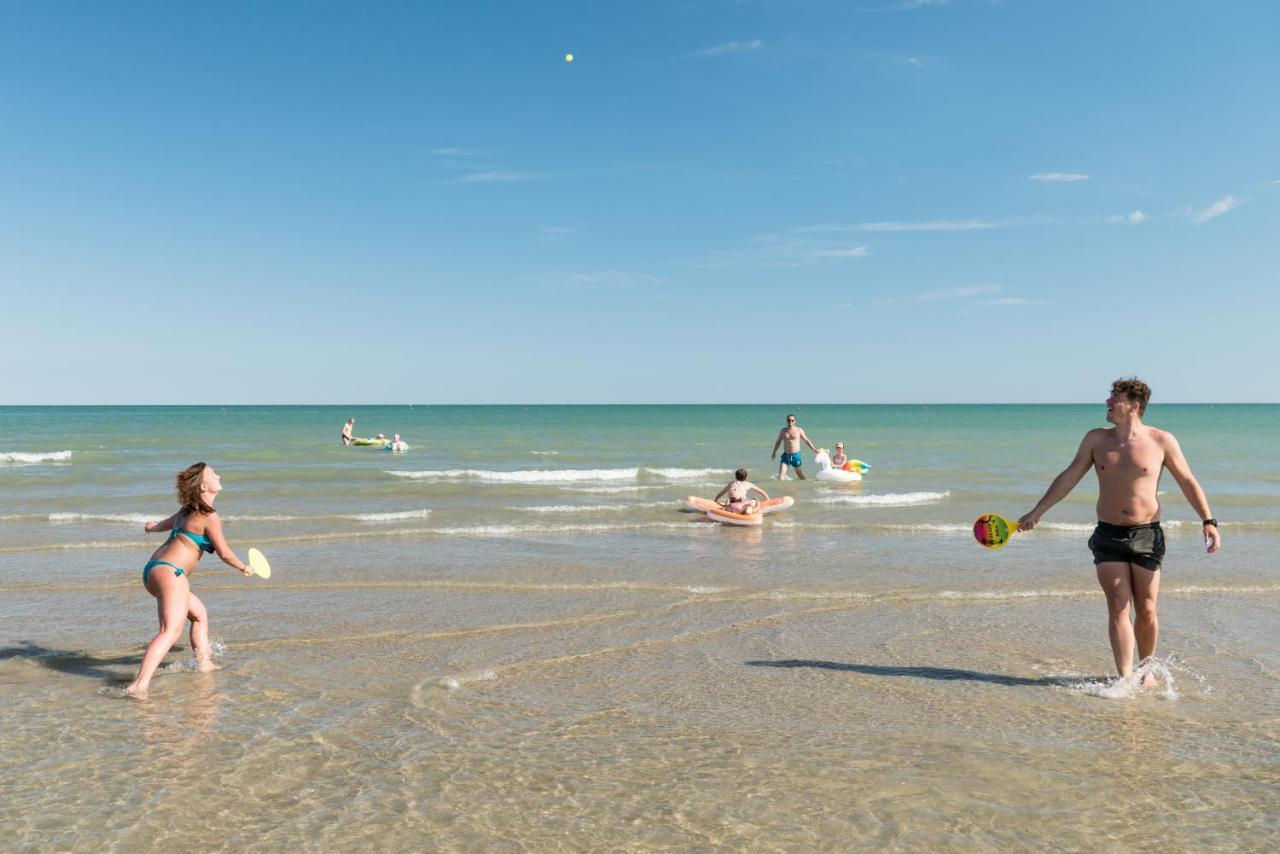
(189, 481)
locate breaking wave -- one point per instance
(32, 457)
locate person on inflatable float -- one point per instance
(838, 459)
(738, 491)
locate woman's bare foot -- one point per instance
(1147, 677)
(135, 692)
(207, 666)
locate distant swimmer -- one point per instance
(346, 431)
(738, 492)
(194, 529)
(1128, 543)
(790, 438)
(838, 459)
(398, 446)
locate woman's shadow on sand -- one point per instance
(70, 661)
(943, 674)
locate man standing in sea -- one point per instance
(790, 438)
(1128, 544)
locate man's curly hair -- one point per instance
(1135, 389)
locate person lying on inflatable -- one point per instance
(738, 491)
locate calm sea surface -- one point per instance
(511, 637)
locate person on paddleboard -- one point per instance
(1128, 543)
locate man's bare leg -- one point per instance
(782, 471)
(1114, 578)
(799, 473)
(1146, 625)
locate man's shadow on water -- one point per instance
(66, 661)
(943, 674)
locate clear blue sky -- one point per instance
(720, 201)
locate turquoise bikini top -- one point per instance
(200, 541)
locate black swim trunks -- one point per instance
(1140, 544)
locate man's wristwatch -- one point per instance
(1210, 521)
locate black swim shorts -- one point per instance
(1140, 544)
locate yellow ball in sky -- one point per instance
(568, 57)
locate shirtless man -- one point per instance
(346, 431)
(1128, 543)
(790, 438)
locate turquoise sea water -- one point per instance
(517, 607)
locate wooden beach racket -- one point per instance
(258, 563)
(992, 531)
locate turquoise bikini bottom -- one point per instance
(146, 570)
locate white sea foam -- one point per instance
(1073, 527)
(1001, 595)
(587, 508)
(31, 457)
(390, 517)
(523, 476)
(935, 527)
(904, 499)
(143, 518)
(1131, 686)
(546, 453)
(611, 490)
(453, 683)
(517, 530)
(132, 518)
(687, 474)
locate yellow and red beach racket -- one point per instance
(258, 563)
(992, 531)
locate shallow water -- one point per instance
(457, 660)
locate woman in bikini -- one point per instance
(195, 529)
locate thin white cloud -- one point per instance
(495, 177)
(854, 252)
(1058, 177)
(605, 279)
(452, 152)
(1006, 301)
(956, 293)
(911, 60)
(908, 5)
(1133, 218)
(927, 225)
(1216, 209)
(726, 48)
(554, 233)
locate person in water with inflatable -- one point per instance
(790, 438)
(398, 445)
(195, 528)
(838, 459)
(739, 492)
(1128, 544)
(347, 430)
